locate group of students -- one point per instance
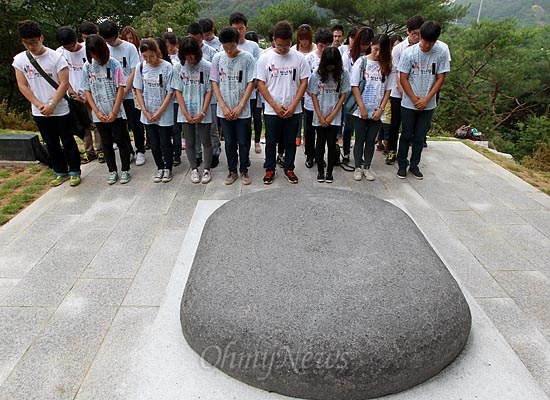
(165, 87)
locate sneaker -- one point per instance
(281, 160)
(132, 157)
(58, 179)
(231, 177)
(329, 178)
(291, 176)
(74, 179)
(125, 177)
(112, 177)
(402, 172)
(321, 177)
(245, 178)
(140, 159)
(269, 176)
(158, 176)
(195, 176)
(167, 175)
(257, 148)
(368, 174)
(345, 159)
(100, 157)
(390, 159)
(177, 161)
(357, 174)
(85, 158)
(115, 146)
(298, 142)
(206, 176)
(309, 162)
(416, 173)
(215, 161)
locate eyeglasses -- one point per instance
(31, 42)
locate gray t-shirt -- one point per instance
(127, 55)
(422, 69)
(193, 81)
(103, 81)
(233, 75)
(156, 83)
(328, 93)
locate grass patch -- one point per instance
(11, 209)
(4, 173)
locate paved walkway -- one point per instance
(83, 271)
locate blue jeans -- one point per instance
(414, 127)
(277, 129)
(236, 134)
(365, 137)
(160, 138)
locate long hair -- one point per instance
(362, 37)
(331, 56)
(128, 30)
(97, 46)
(384, 58)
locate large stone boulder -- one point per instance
(321, 294)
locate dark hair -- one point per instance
(337, 27)
(189, 46)
(150, 44)
(351, 34)
(29, 29)
(206, 24)
(229, 35)
(430, 31)
(108, 29)
(87, 28)
(282, 30)
(96, 45)
(323, 35)
(129, 30)
(304, 32)
(237, 18)
(270, 35)
(251, 35)
(414, 23)
(170, 37)
(195, 28)
(65, 36)
(383, 41)
(163, 49)
(331, 56)
(363, 35)
(395, 37)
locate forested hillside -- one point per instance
(526, 12)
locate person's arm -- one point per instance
(423, 101)
(167, 101)
(93, 106)
(289, 112)
(202, 113)
(130, 82)
(378, 112)
(25, 89)
(278, 108)
(227, 113)
(246, 96)
(141, 101)
(336, 110)
(120, 92)
(317, 109)
(358, 99)
(181, 103)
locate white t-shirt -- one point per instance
(328, 94)
(214, 43)
(250, 46)
(103, 81)
(193, 81)
(76, 60)
(422, 69)
(395, 57)
(52, 63)
(282, 75)
(233, 76)
(156, 83)
(127, 55)
(375, 86)
(313, 61)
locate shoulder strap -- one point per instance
(41, 71)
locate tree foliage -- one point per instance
(390, 16)
(175, 14)
(296, 12)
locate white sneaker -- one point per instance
(115, 147)
(167, 176)
(206, 177)
(358, 174)
(195, 176)
(158, 176)
(368, 174)
(132, 157)
(140, 159)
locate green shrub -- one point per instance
(10, 119)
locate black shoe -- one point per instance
(280, 161)
(177, 161)
(425, 144)
(215, 161)
(416, 173)
(345, 159)
(199, 161)
(321, 177)
(402, 172)
(329, 178)
(309, 162)
(268, 178)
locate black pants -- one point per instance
(395, 123)
(135, 125)
(326, 136)
(117, 130)
(54, 129)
